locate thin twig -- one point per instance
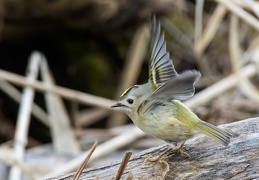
(123, 165)
(81, 168)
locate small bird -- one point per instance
(156, 108)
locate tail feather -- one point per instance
(214, 132)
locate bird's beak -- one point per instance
(117, 105)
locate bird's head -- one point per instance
(132, 97)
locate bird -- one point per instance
(156, 106)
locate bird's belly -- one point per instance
(170, 130)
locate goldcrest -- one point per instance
(156, 108)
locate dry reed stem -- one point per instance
(8, 156)
(23, 120)
(198, 20)
(254, 6)
(221, 86)
(247, 88)
(101, 150)
(251, 5)
(123, 165)
(89, 116)
(73, 95)
(60, 122)
(234, 44)
(15, 94)
(131, 69)
(234, 8)
(241, 3)
(134, 59)
(83, 165)
(176, 33)
(210, 29)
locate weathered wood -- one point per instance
(210, 160)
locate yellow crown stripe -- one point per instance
(128, 90)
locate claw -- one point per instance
(157, 158)
(179, 150)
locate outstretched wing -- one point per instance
(180, 87)
(161, 67)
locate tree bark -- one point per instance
(209, 159)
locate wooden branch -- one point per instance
(209, 159)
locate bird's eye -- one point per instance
(130, 101)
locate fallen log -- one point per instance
(209, 159)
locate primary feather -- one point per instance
(161, 67)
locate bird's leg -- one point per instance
(180, 150)
(157, 158)
(177, 150)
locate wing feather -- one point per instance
(161, 67)
(180, 87)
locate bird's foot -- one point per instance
(151, 158)
(179, 150)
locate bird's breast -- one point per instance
(164, 126)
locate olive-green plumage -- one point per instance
(155, 106)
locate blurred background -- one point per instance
(101, 48)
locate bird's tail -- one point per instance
(214, 132)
